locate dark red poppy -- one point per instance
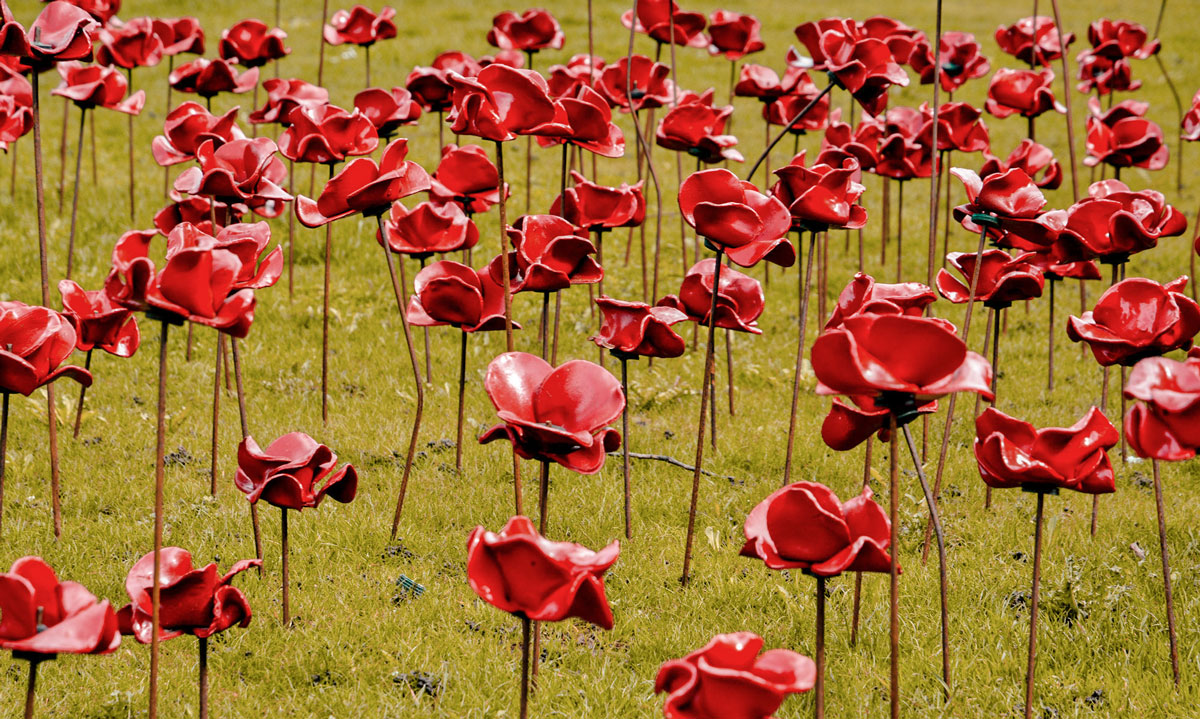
(1135, 319)
(294, 472)
(657, 17)
(208, 78)
(450, 293)
(550, 254)
(760, 81)
(180, 35)
(583, 119)
(1012, 453)
(907, 44)
(740, 298)
(801, 92)
(959, 59)
(99, 322)
(1103, 75)
(961, 128)
(500, 103)
(466, 176)
(252, 44)
(388, 111)
(189, 126)
(849, 425)
(1037, 161)
(512, 58)
(261, 266)
(365, 187)
(821, 196)
(200, 602)
(16, 110)
(92, 86)
(430, 86)
(1113, 222)
(1191, 120)
(1163, 425)
(1117, 39)
(135, 43)
(861, 141)
(905, 149)
(1056, 265)
(597, 208)
(579, 71)
(635, 329)
(327, 135)
(45, 616)
(429, 229)
(132, 271)
(360, 26)
(734, 35)
(1009, 205)
(34, 342)
(863, 65)
(60, 33)
(729, 678)
(102, 10)
(194, 209)
(649, 83)
(864, 295)
(533, 30)
(240, 170)
(1033, 40)
(1024, 92)
(556, 414)
(1003, 279)
(521, 572)
(1122, 137)
(284, 96)
(733, 215)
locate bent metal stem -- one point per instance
(241, 398)
(787, 128)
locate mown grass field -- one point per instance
(362, 647)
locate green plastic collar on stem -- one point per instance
(902, 405)
(986, 219)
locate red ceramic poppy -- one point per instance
(99, 322)
(365, 187)
(551, 254)
(863, 65)
(294, 472)
(1003, 279)
(16, 119)
(1102, 75)
(200, 602)
(388, 111)
(92, 86)
(908, 45)
(261, 266)
(729, 678)
(1056, 265)
(1163, 425)
(360, 26)
(734, 35)
(102, 10)
(555, 414)
(1117, 39)
(327, 135)
(1021, 92)
(136, 43)
(34, 342)
(760, 81)
(959, 59)
(284, 96)
(533, 30)
(822, 196)
(132, 271)
(801, 92)
(450, 293)
(961, 128)
(849, 425)
(1191, 120)
(583, 119)
(1113, 222)
(239, 170)
(195, 209)
(180, 35)
(861, 141)
(863, 295)
(905, 149)
(635, 329)
(45, 616)
(657, 17)
(252, 44)
(887, 355)
(500, 103)
(698, 128)
(1033, 40)
(466, 176)
(1037, 161)
(597, 208)
(429, 229)
(208, 78)
(733, 215)
(60, 33)
(512, 58)
(523, 573)
(1012, 453)
(1122, 137)
(1009, 205)
(189, 126)
(430, 86)
(805, 526)
(581, 70)
(1137, 318)
(740, 298)
(639, 78)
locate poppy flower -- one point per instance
(1117, 39)
(729, 678)
(71, 621)
(180, 35)
(656, 18)
(252, 44)
(189, 126)
(244, 170)
(905, 149)
(760, 81)
(16, 120)
(132, 271)
(550, 254)
(429, 229)
(99, 322)
(102, 10)
(1003, 279)
(193, 601)
(862, 65)
(450, 293)
(261, 267)
(598, 207)
(863, 295)
(1113, 222)
(293, 472)
(34, 342)
(365, 187)
(1036, 160)
(500, 103)
(740, 298)
(822, 196)
(734, 35)
(1162, 425)
(733, 215)
(1103, 75)
(1137, 318)
(961, 128)
(327, 135)
(1191, 120)
(208, 78)
(92, 86)
(649, 84)
(466, 176)
(635, 329)
(523, 573)
(135, 43)
(533, 30)
(835, 537)
(195, 209)
(430, 86)
(861, 141)
(583, 119)
(1012, 453)
(800, 93)
(959, 59)
(1122, 137)
(284, 96)
(554, 414)
(849, 425)
(579, 71)
(1024, 92)
(883, 356)
(360, 26)
(906, 43)
(60, 33)
(388, 111)
(1033, 40)
(1009, 205)
(1059, 265)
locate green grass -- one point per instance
(357, 636)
